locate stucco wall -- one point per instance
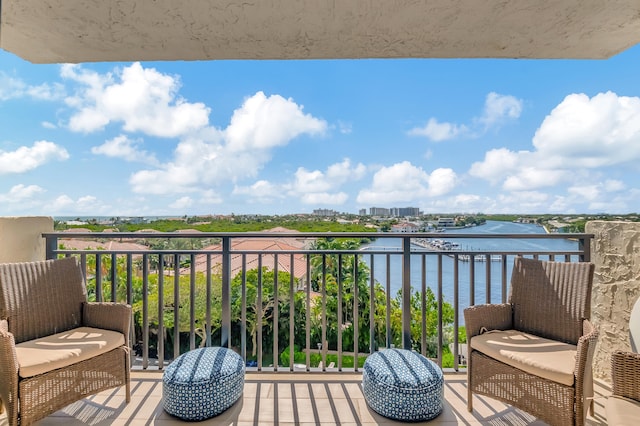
(21, 238)
(616, 254)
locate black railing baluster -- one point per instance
(121, 267)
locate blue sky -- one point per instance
(278, 137)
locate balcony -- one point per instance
(324, 385)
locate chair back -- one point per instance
(551, 299)
(41, 298)
(634, 327)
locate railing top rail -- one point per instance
(323, 251)
(132, 235)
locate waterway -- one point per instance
(464, 268)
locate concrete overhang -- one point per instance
(58, 31)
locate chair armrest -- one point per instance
(108, 315)
(8, 371)
(583, 375)
(490, 316)
(625, 374)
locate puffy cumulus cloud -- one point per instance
(499, 108)
(142, 99)
(27, 158)
(438, 132)
(336, 175)
(441, 181)
(591, 132)
(21, 193)
(123, 147)
(267, 122)
(238, 152)
(403, 182)
(497, 164)
(580, 134)
(317, 187)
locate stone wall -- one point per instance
(21, 238)
(616, 287)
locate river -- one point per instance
(464, 296)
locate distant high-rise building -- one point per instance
(325, 212)
(378, 211)
(362, 212)
(405, 211)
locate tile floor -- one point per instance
(291, 399)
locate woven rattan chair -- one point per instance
(55, 348)
(623, 407)
(535, 352)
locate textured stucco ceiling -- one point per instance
(53, 31)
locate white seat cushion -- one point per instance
(622, 411)
(535, 355)
(63, 349)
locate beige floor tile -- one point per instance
(293, 399)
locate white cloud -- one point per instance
(404, 182)
(87, 204)
(262, 191)
(497, 164)
(532, 177)
(123, 147)
(591, 132)
(28, 158)
(21, 193)
(438, 132)
(182, 203)
(239, 152)
(14, 88)
(267, 122)
(441, 181)
(336, 175)
(498, 108)
(142, 99)
(317, 187)
(578, 136)
(48, 125)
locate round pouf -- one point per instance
(403, 385)
(202, 383)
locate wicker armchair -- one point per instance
(55, 347)
(535, 352)
(623, 407)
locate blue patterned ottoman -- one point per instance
(202, 383)
(403, 385)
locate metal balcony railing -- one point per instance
(312, 302)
